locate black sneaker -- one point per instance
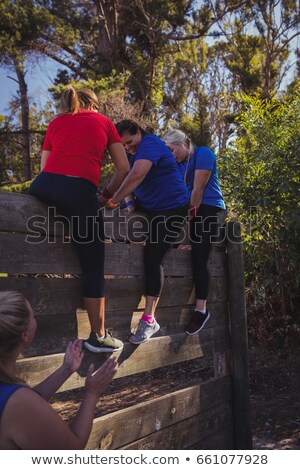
(107, 344)
(197, 322)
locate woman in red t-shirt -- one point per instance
(71, 164)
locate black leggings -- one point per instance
(164, 228)
(75, 199)
(203, 229)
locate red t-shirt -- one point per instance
(77, 143)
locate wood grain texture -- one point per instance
(131, 424)
(238, 326)
(42, 257)
(155, 353)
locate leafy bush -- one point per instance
(261, 183)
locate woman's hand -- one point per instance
(101, 200)
(73, 356)
(97, 382)
(129, 209)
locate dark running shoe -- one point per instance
(197, 322)
(107, 344)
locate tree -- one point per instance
(260, 59)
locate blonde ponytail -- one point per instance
(14, 318)
(69, 101)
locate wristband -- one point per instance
(111, 205)
(106, 193)
(130, 203)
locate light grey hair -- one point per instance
(176, 137)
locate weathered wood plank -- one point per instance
(25, 214)
(131, 424)
(55, 331)
(155, 353)
(221, 440)
(18, 256)
(15, 209)
(185, 433)
(238, 322)
(61, 295)
(223, 363)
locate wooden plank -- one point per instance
(238, 322)
(55, 331)
(223, 363)
(61, 295)
(25, 214)
(221, 440)
(131, 424)
(172, 320)
(15, 209)
(185, 433)
(53, 335)
(155, 353)
(48, 296)
(18, 256)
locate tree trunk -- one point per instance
(19, 68)
(107, 47)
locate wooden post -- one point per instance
(239, 340)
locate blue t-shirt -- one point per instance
(6, 391)
(162, 188)
(203, 159)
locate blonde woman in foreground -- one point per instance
(27, 421)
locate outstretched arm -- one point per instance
(120, 160)
(29, 422)
(133, 180)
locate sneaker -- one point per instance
(144, 332)
(197, 322)
(107, 344)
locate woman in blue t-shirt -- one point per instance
(27, 421)
(159, 192)
(198, 168)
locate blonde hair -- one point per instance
(176, 137)
(14, 318)
(71, 100)
(87, 98)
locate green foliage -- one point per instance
(114, 85)
(261, 182)
(17, 188)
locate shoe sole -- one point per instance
(94, 349)
(199, 329)
(145, 340)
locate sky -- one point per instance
(39, 78)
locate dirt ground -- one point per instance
(274, 393)
(275, 399)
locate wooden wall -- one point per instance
(43, 265)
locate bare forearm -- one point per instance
(117, 180)
(196, 197)
(49, 386)
(81, 426)
(44, 158)
(129, 185)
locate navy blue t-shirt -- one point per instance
(163, 188)
(203, 159)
